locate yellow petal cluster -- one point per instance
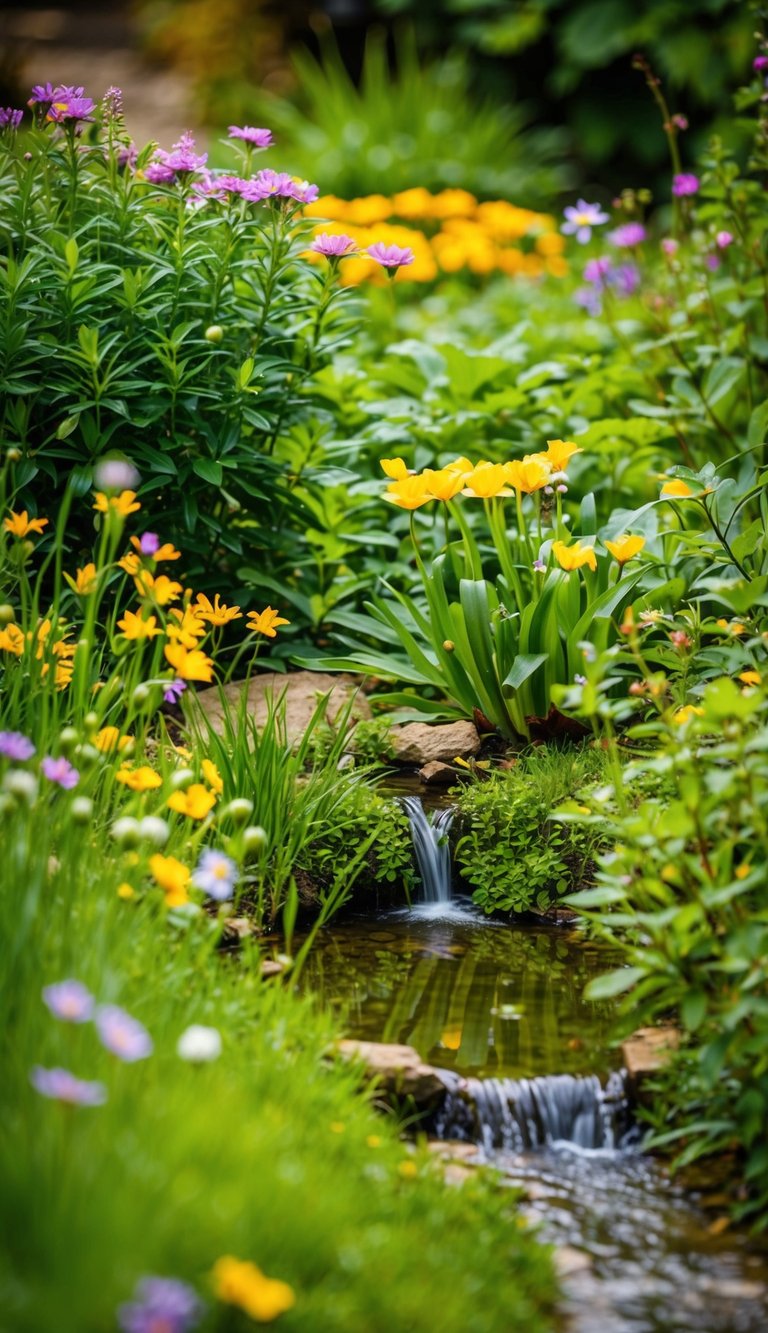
(123, 504)
(573, 556)
(625, 548)
(20, 525)
(139, 779)
(238, 1282)
(172, 876)
(266, 622)
(483, 480)
(196, 802)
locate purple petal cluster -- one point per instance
(685, 184)
(632, 233)
(174, 690)
(216, 875)
(332, 247)
(61, 772)
(122, 1034)
(269, 184)
(70, 1001)
(69, 105)
(149, 543)
(390, 256)
(14, 745)
(581, 218)
(182, 161)
(250, 134)
(161, 1305)
(62, 1086)
(9, 118)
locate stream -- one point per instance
(536, 1089)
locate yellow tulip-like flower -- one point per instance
(165, 552)
(685, 714)
(196, 802)
(131, 563)
(20, 525)
(560, 452)
(216, 613)
(12, 640)
(394, 468)
(139, 779)
(445, 484)
(189, 663)
(85, 580)
(574, 556)
(675, 490)
(212, 776)
(486, 481)
(109, 739)
(160, 589)
(409, 493)
(135, 626)
(185, 627)
(528, 474)
(123, 504)
(266, 622)
(750, 677)
(237, 1282)
(172, 876)
(625, 548)
(461, 464)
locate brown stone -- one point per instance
(269, 967)
(419, 743)
(647, 1051)
(435, 774)
(398, 1070)
(300, 690)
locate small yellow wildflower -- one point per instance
(445, 484)
(238, 1282)
(135, 626)
(215, 613)
(675, 490)
(687, 712)
(266, 622)
(172, 876)
(165, 552)
(337, 1127)
(408, 1169)
(486, 481)
(560, 452)
(12, 640)
(109, 738)
(143, 778)
(130, 563)
(212, 776)
(85, 580)
(574, 556)
(394, 468)
(126, 890)
(732, 626)
(20, 525)
(189, 664)
(408, 493)
(160, 589)
(374, 1140)
(750, 677)
(196, 802)
(528, 474)
(185, 626)
(625, 547)
(123, 504)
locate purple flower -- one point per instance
(579, 679)
(174, 690)
(632, 233)
(42, 96)
(333, 247)
(588, 299)
(112, 104)
(123, 1035)
(258, 138)
(539, 566)
(61, 772)
(161, 1305)
(183, 159)
(723, 239)
(596, 270)
(625, 279)
(391, 256)
(149, 543)
(760, 63)
(712, 262)
(126, 156)
(157, 173)
(69, 104)
(269, 184)
(63, 1086)
(70, 1001)
(13, 745)
(115, 474)
(10, 119)
(581, 219)
(670, 246)
(216, 875)
(685, 184)
(680, 122)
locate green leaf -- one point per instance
(758, 426)
(523, 666)
(722, 378)
(71, 254)
(209, 470)
(693, 1009)
(613, 983)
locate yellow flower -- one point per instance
(109, 738)
(123, 504)
(139, 779)
(445, 484)
(408, 493)
(743, 870)
(625, 547)
(529, 474)
(162, 590)
(212, 776)
(136, 626)
(196, 802)
(394, 468)
(486, 480)
(675, 490)
(461, 464)
(20, 525)
(574, 556)
(130, 563)
(172, 876)
(560, 452)
(373, 1140)
(237, 1282)
(85, 580)
(408, 1169)
(750, 677)
(266, 622)
(185, 626)
(685, 714)
(12, 640)
(189, 664)
(126, 890)
(165, 552)
(732, 627)
(215, 613)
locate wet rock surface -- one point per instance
(398, 1070)
(419, 743)
(300, 691)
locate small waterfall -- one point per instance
(431, 849)
(519, 1114)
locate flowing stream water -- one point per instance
(535, 1087)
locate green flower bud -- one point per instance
(13, 455)
(21, 785)
(7, 613)
(81, 810)
(68, 738)
(255, 840)
(239, 810)
(154, 830)
(91, 721)
(214, 333)
(141, 696)
(126, 832)
(181, 778)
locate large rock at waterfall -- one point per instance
(399, 1071)
(301, 691)
(645, 1052)
(419, 743)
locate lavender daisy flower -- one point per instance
(580, 220)
(216, 875)
(332, 247)
(69, 105)
(70, 1001)
(632, 233)
(9, 118)
(149, 543)
(597, 270)
(41, 96)
(161, 1305)
(61, 772)
(123, 1035)
(183, 159)
(157, 172)
(723, 239)
(685, 184)
(174, 690)
(250, 134)
(126, 157)
(539, 566)
(588, 299)
(14, 745)
(390, 256)
(62, 1086)
(579, 679)
(625, 279)
(268, 184)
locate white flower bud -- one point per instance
(125, 831)
(199, 1044)
(181, 778)
(21, 784)
(255, 839)
(154, 830)
(81, 810)
(239, 810)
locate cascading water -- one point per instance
(431, 849)
(516, 1115)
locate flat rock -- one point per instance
(301, 690)
(435, 774)
(419, 743)
(647, 1051)
(398, 1070)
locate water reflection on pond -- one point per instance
(469, 995)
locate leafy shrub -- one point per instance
(367, 819)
